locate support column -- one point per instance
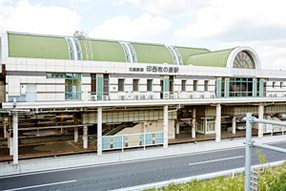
(218, 123)
(99, 131)
(85, 137)
(177, 127)
(10, 136)
(260, 116)
(234, 124)
(76, 134)
(4, 129)
(15, 138)
(194, 124)
(165, 145)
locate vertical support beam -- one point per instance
(194, 123)
(254, 88)
(76, 134)
(15, 138)
(218, 123)
(99, 131)
(226, 87)
(177, 127)
(165, 145)
(234, 124)
(85, 137)
(248, 152)
(4, 129)
(260, 116)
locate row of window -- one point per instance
(274, 84)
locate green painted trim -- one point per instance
(99, 87)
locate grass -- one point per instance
(267, 178)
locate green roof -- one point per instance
(186, 52)
(105, 51)
(213, 59)
(151, 53)
(35, 46)
(56, 47)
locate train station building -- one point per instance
(111, 95)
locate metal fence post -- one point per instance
(248, 152)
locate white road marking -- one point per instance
(41, 185)
(195, 163)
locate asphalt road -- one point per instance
(126, 174)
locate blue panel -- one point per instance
(117, 142)
(105, 142)
(159, 138)
(148, 139)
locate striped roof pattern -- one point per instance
(26, 45)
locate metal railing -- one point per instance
(250, 144)
(132, 140)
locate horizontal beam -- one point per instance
(268, 147)
(131, 103)
(255, 120)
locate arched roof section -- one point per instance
(249, 51)
(152, 53)
(104, 50)
(212, 59)
(186, 52)
(37, 46)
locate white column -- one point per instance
(165, 126)
(10, 144)
(260, 116)
(234, 124)
(218, 123)
(99, 131)
(15, 138)
(85, 137)
(194, 124)
(4, 129)
(177, 127)
(76, 134)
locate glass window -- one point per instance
(240, 87)
(149, 85)
(281, 84)
(195, 85)
(50, 75)
(183, 85)
(72, 86)
(171, 84)
(243, 60)
(273, 84)
(105, 84)
(135, 85)
(120, 85)
(206, 85)
(59, 75)
(93, 84)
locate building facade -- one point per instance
(98, 83)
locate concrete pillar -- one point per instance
(260, 116)
(194, 124)
(165, 145)
(234, 124)
(4, 129)
(177, 127)
(10, 136)
(218, 123)
(76, 134)
(99, 131)
(15, 138)
(85, 137)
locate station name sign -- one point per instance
(160, 69)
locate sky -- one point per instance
(211, 24)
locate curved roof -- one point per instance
(186, 52)
(60, 47)
(213, 59)
(35, 46)
(151, 53)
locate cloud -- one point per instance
(135, 2)
(236, 20)
(38, 19)
(144, 28)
